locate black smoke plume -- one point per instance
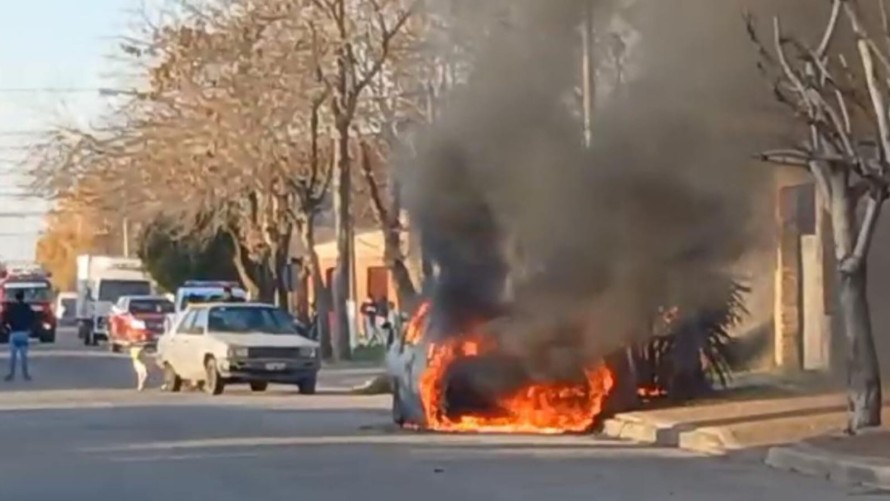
(568, 251)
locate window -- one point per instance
(112, 290)
(35, 292)
(199, 326)
(250, 319)
(150, 306)
(205, 295)
(185, 323)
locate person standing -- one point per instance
(19, 319)
(368, 310)
(393, 323)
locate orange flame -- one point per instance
(414, 329)
(651, 392)
(546, 408)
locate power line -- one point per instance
(102, 91)
(19, 133)
(22, 214)
(46, 90)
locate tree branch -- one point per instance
(854, 262)
(877, 95)
(828, 36)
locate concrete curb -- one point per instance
(839, 468)
(637, 428)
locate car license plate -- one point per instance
(276, 367)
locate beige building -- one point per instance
(371, 276)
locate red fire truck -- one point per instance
(38, 293)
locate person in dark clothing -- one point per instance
(19, 320)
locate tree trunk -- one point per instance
(267, 280)
(864, 393)
(342, 213)
(241, 266)
(320, 290)
(864, 399)
(395, 261)
(282, 255)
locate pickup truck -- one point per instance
(137, 320)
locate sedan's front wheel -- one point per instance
(213, 383)
(307, 386)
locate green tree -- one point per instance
(172, 259)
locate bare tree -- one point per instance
(838, 90)
(362, 34)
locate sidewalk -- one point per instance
(762, 413)
(860, 460)
(789, 426)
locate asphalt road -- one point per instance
(80, 432)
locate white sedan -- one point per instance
(228, 343)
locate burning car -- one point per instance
(466, 383)
(472, 382)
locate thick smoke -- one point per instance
(573, 249)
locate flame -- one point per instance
(546, 408)
(651, 392)
(414, 329)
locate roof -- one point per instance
(27, 277)
(198, 284)
(146, 296)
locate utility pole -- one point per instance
(126, 237)
(588, 69)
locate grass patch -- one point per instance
(369, 354)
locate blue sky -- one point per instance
(47, 44)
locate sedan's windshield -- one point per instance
(246, 319)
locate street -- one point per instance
(80, 432)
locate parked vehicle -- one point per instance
(215, 345)
(137, 320)
(403, 361)
(66, 309)
(101, 282)
(38, 293)
(204, 291)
